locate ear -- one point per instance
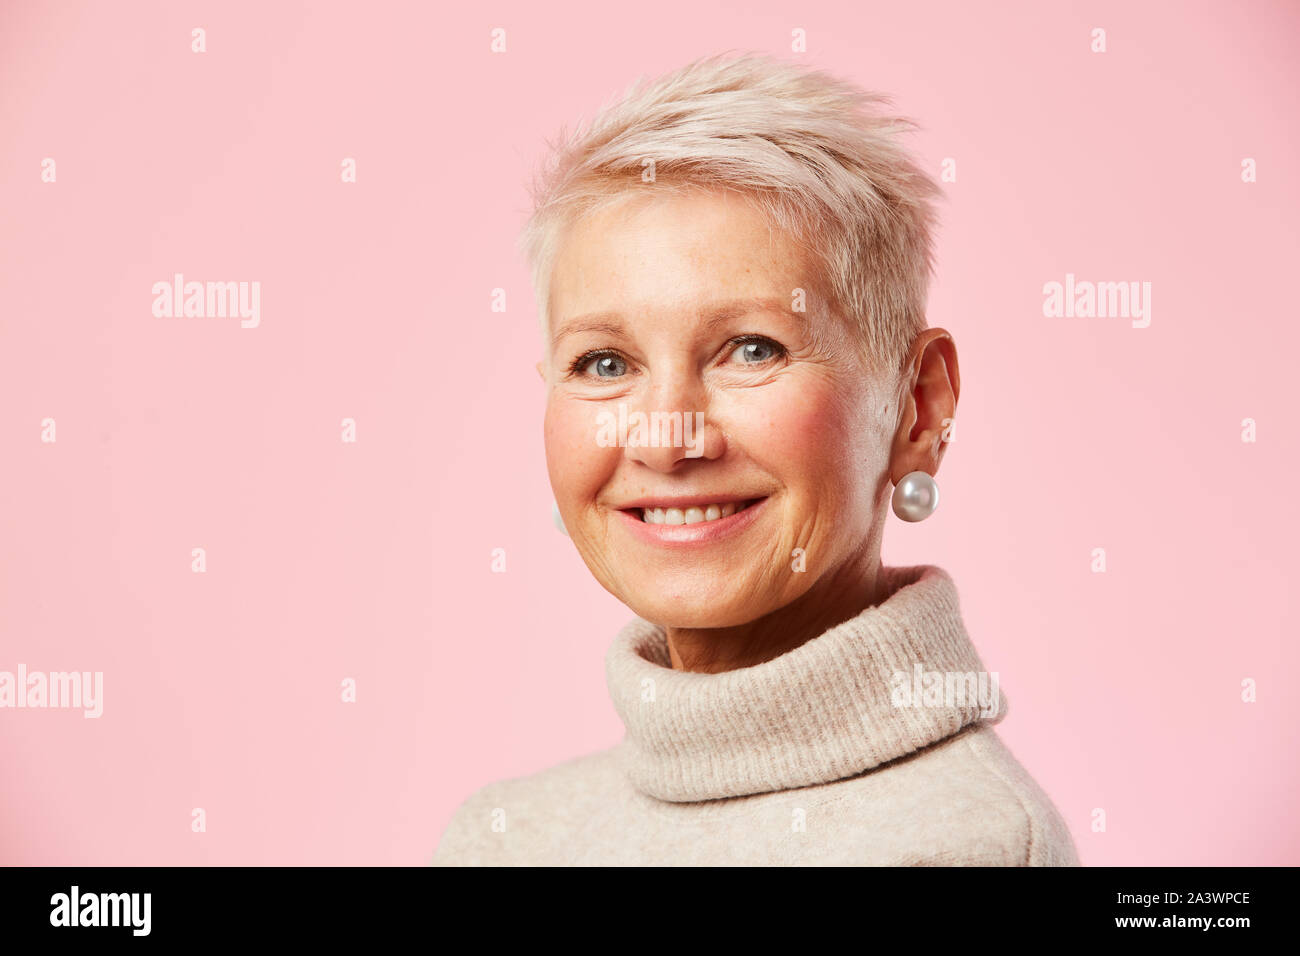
(929, 405)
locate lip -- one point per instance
(691, 535)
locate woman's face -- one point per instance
(688, 308)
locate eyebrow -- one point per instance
(610, 323)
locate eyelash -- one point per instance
(583, 360)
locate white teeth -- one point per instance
(692, 515)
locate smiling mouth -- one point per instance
(694, 514)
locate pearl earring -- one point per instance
(916, 496)
(559, 522)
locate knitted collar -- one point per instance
(857, 696)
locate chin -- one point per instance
(675, 614)
(692, 598)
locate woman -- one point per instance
(731, 269)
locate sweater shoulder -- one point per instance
(1042, 837)
(963, 801)
(485, 829)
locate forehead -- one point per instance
(673, 250)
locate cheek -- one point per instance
(808, 426)
(578, 466)
(817, 441)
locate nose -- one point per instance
(669, 423)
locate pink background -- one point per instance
(372, 560)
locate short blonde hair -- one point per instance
(821, 157)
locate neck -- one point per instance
(834, 599)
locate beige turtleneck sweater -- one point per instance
(821, 756)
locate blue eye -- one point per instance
(757, 351)
(606, 364)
